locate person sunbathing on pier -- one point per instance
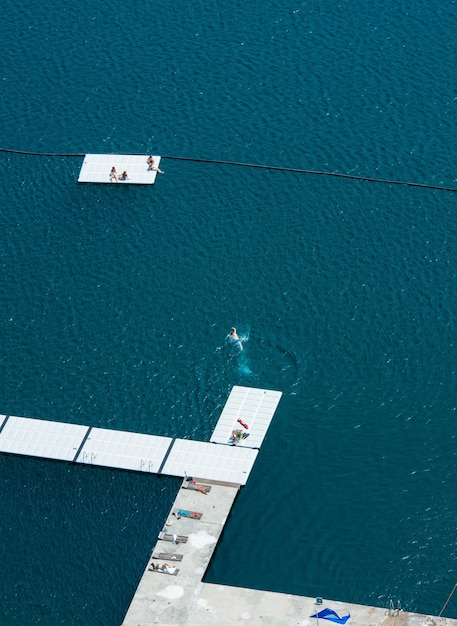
(113, 174)
(164, 569)
(123, 176)
(167, 569)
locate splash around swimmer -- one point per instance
(234, 337)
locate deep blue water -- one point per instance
(116, 300)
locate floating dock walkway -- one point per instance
(96, 168)
(197, 518)
(228, 457)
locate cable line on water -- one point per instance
(259, 166)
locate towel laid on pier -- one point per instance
(183, 513)
(174, 538)
(331, 616)
(167, 556)
(196, 486)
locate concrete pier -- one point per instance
(164, 599)
(184, 600)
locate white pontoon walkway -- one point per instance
(212, 460)
(96, 168)
(247, 411)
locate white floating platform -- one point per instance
(209, 461)
(124, 450)
(96, 168)
(42, 438)
(150, 453)
(254, 407)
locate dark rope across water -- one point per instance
(303, 171)
(263, 167)
(46, 154)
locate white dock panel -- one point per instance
(96, 168)
(255, 407)
(210, 461)
(124, 450)
(42, 438)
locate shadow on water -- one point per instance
(268, 364)
(259, 363)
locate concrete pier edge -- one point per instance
(185, 600)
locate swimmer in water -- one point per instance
(233, 335)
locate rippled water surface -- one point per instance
(116, 301)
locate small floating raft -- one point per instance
(96, 168)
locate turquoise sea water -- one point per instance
(116, 300)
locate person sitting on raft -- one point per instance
(151, 166)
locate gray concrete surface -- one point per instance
(184, 600)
